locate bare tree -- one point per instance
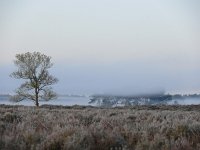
(33, 67)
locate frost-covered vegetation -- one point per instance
(145, 99)
(114, 100)
(78, 127)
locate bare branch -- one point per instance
(48, 94)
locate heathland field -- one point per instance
(82, 127)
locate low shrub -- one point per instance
(88, 128)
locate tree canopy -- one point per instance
(33, 68)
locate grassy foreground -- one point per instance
(81, 128)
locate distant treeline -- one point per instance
(151, 99)
(179, 96)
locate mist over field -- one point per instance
(116, 80)
(106, 47)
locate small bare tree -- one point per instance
(33, 67)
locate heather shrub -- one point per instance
(88, 128)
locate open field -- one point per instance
(81, 127)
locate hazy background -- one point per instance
(106, 46)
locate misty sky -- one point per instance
(106, 46)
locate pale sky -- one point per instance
(119, 46)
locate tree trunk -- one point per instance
(36, 98)
(37, 103)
